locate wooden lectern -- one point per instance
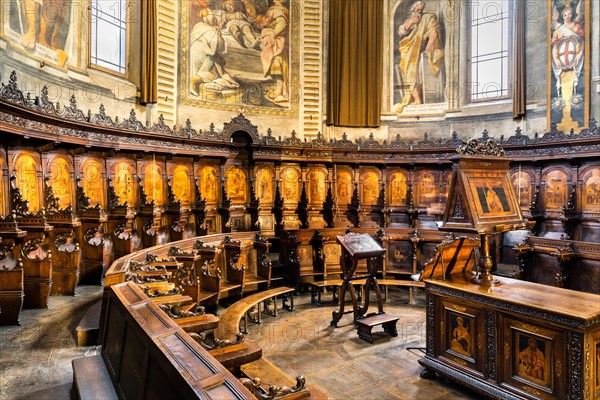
(357, 247)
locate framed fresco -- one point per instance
(45, 30)
(419, 46)
(240, 53)
(568, 64)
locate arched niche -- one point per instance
(397, 188)
(556, 189)
(590, 189)
(236, 185)
(181, 184)
(240, 128)
(290, 182)
(123, 181)
(26, 166)
(60, 179)
(153, 183)
(264, 185)
(92, 181)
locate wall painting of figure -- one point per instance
(568, 63)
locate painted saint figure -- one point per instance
(461, 338)
(567, 62)
(492, 200)
(419, 39)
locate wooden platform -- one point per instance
(366, 324)
(91, 379)
(89, 326)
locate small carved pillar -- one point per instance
(318, 256)
(565, 256)
(277, 211)
(328, 208)
(252, 207)
(354, 207)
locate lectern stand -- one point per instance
(356, 247)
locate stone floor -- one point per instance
(35, 358)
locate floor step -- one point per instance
(88, 328)
(91, 379)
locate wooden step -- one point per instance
(88, 328)
(91, 379)
(366, 324)
(377, 319)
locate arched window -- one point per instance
(490, 48)
(108, 35)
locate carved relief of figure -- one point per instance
(461, 338)
(532, 361)
(26, 173)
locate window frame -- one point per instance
(125, 74)
(509, 56)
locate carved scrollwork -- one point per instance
(114, 202)
(176, 312)
(11, 92)
(475, 148)
(94, 237)
(235, 264)
(122, 232)
(32, 250)
(186, 276)
(212, 343)
(272, 392)
(140, 280)
(64, 243)
(19, 205)
(72, 112)
(154, 293)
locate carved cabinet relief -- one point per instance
(208, 184)
(397, 189)
(26, 167)
(556, 190)
(123, 182)
(264, 185)
(181, 184)
(153, 183)
(59, 174)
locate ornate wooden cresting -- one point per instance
(356, 247)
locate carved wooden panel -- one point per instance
(397, 189)
(290, 177)
(208, 184)
(344, 187)
(26, 167)
(236, 185)
(556, 192)
(59, 173)
(590, 197)
(370, 188)
(522, 183)
(123, 182)
(425, 190)
(264, 185)
(399, 256)
(182, 187)
(153, 183)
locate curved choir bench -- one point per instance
(157, 339)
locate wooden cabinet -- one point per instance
(517, 340)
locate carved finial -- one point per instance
(518, 132)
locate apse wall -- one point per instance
(270, 64)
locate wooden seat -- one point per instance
(366, 324)
(87, 329)
(175, 300)
(270, 375)
(200, 323)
